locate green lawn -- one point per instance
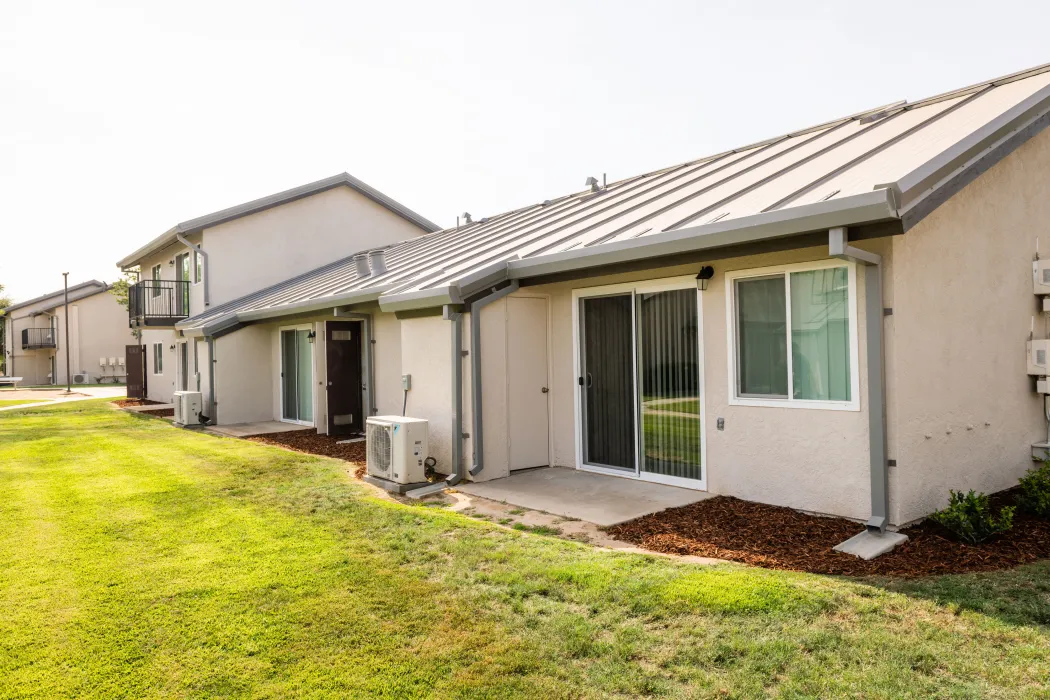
(139, 560)
(18, 402)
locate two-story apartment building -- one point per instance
(98, 333)
(206, 262)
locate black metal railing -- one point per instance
(158, 302)
(36, 338)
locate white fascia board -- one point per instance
(878, 205)
(924, 178)
(421, 299)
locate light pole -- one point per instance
(65, 288)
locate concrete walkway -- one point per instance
(48, 397)
(571, 493)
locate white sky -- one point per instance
(118, 120)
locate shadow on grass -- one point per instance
(1018, 596)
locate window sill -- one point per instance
(797, 404)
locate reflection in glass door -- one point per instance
(296, 376)
(669, 383)
(607, 381)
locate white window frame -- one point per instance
(789, 401)
(155, 276)
(665, 284)
(158, 354)
(313, 375)
(198, 270)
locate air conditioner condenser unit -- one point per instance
(81, 378)
(397, 448)
(187, 408)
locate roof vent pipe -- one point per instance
(377, 261)
(361, 263)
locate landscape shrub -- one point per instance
(970, 518)
(1035, 491)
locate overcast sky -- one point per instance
(118, 120)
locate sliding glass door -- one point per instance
(640, 381)
(608, 382)
(297, 372)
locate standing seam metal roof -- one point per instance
(883, 148)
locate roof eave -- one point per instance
(869, 207)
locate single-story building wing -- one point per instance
(832, 320)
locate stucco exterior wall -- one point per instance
(160, 386)
(255, 251)
(426, 354)
(33, 366)
(98, 328)
(966, 411)
(243, 367)
(814, 460)
(387, 394)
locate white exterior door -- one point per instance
(527, 382)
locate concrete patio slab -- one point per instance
(571, 493)
(49, 397)
(268, 427)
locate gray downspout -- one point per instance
(452, 313)
(369, 357)
(838, 247)
(211, 382)
(475, 370)
(204, 256)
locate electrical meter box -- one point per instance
(1041, 276)
(1038, 354)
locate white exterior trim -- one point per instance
(854, 353)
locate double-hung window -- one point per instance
(155, 274)
(793, 336)
(198, 267)
(158, 358)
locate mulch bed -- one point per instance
(122, 403)
(160, 413)
(782, 538)
(325, 445)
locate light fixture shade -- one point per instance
(703, 278)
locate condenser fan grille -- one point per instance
(379, 448)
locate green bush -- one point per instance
(969, 517)
(1035, 491)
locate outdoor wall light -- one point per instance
(704, 277)
(311, 336)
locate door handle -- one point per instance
(330, 383)
(590, 380)
(544, 390)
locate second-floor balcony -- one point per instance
(158, 302)
(37, 338)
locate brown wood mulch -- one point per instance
(781, 538)
(160, 413)
(325, 445)
(122, 403)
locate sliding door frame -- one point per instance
(633, 289)
(313, 374)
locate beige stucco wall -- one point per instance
(33, 366)
(426, 354)
(99, 326)
(160, 386)
(388, 395)
(815, 460)
(256, 251)
(966, 410)
(243, 376)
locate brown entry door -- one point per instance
(135, 366)
(345, 388)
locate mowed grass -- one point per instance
(18, 402)
(139, 560)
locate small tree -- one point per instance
(121, 290)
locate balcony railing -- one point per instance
(36, 338)
(158, 302)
